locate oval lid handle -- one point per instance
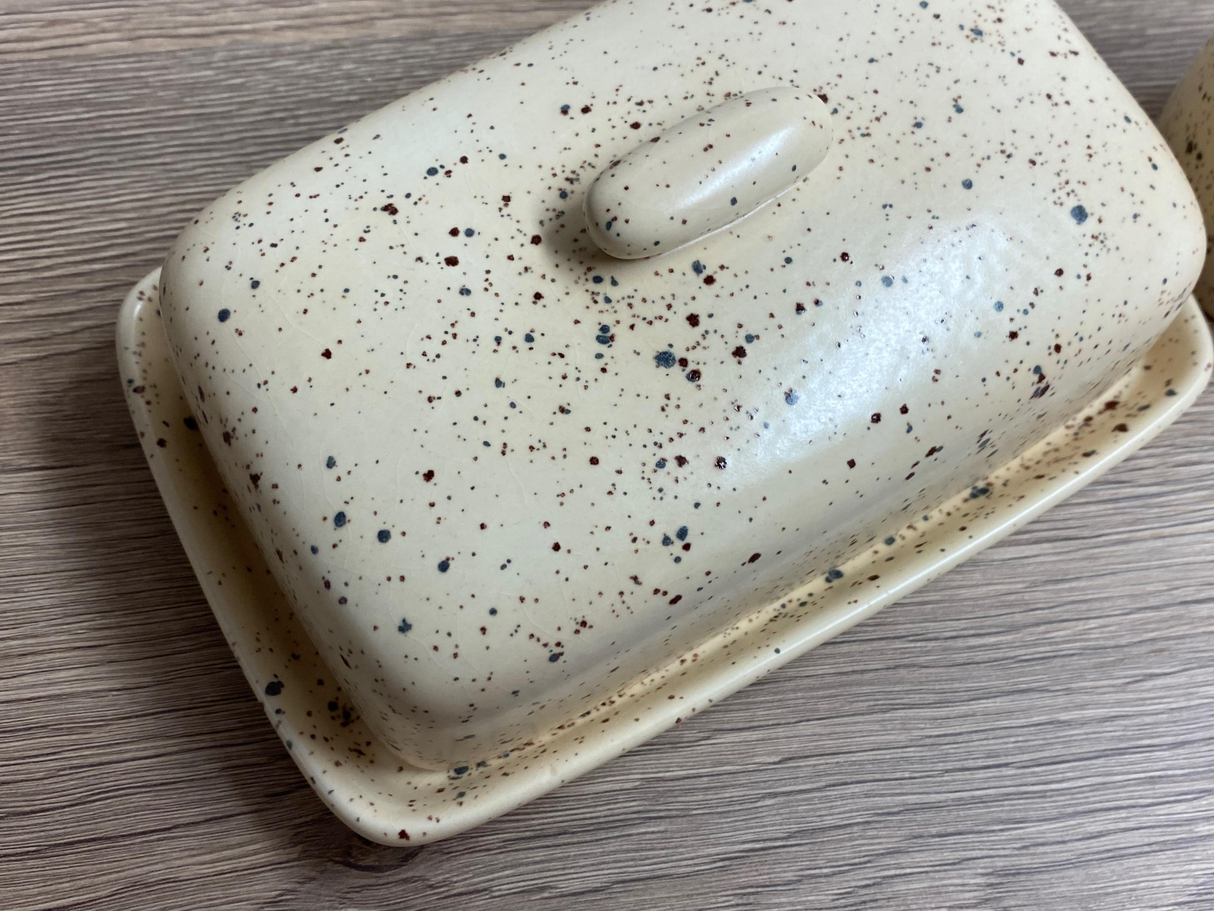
(707, 172)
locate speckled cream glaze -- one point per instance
(1188, 124)
(392, 803)
(502, 476)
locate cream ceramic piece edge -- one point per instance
(364, 784)
(1187, 123)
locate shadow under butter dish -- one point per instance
(504, 479)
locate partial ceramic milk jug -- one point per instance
(1188, 124)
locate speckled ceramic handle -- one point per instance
(1188, 124)
(707, 172)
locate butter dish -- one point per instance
(537, 411)
(1188, 124)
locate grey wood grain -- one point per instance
(1034, 730)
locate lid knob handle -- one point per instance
(707, 172)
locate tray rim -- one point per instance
(708, 682)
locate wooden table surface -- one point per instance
(1034, 730)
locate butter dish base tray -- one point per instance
(366, 785)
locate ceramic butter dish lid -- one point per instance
(536, 380)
